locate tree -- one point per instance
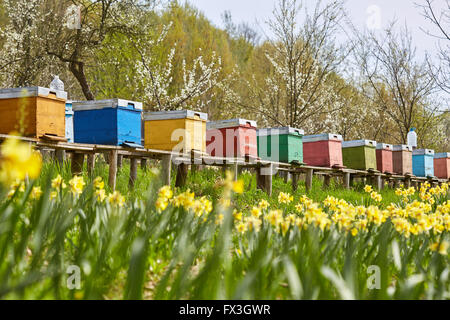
(441, 22)
(76, 44)
(22, 58)
(394, 81)
(158, 78)
(296, 86)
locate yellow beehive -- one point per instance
(33, 111)
(178, 131)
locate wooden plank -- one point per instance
(166, 162)
(133, 171)
(309, 178)
(182, 172)
(113, 168)
(77, 163)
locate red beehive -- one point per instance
(235, 138)
(442, 165)
(384, 158)
(323, 150)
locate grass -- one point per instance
(134, 252)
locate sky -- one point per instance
(363, 13)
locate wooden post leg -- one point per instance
(378, 182)
(133, 171)
(326, 181)
(259, 179)
(309, 178)
(407, 181)
(77, 163)
(264, 178)
(113, 168)
(166, 162)
(119, 161)
(295, 178)
(236, 171)
(182, 173)
(268, 180)
(91, 163)
(347, 178)
(144, 164)
(60, 155)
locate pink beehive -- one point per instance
(323, 150)
(232, 138)
(384, 158)
(442, 165)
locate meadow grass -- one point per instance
(134, 252)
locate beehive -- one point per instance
(423, 162)
(384, 158)
(33, 111)
(282, 144)
(359, 154)
(402, 159)
(179, 131)
(231, 138)
(442, 165)
(323, 150)
(69, 122)
(109, 122)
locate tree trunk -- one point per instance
(77, 69)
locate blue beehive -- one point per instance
(69, 121)
(423, 162)
(110, 122)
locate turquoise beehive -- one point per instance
(69, 122)
(423, 162)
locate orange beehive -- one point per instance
(442, 165)
(33, 111)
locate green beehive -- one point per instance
(360, 154)
(281, 144)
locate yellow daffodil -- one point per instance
(77, 185)
(18, 160)
(116, 198)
